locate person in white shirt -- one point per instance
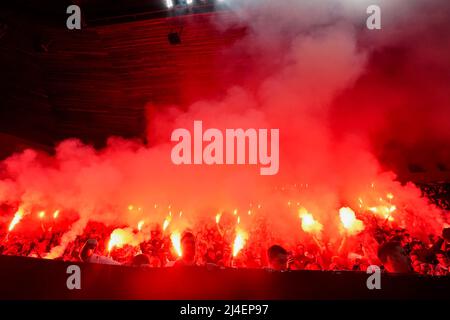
(88, 254)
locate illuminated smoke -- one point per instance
(313, 73)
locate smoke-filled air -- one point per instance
(352, 106)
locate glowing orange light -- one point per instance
(360, 202)
(166, 222)
(130, 207)
(175, 237)
(384, 211)
(239, 241)
(349, 221)
(309, 224)
(119, 237)
(140, 225)
(17, 217)
(41, 214)
(218, 216)
(347, 217)
(115, 240)
(55, 214)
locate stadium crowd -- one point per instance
(395, 251)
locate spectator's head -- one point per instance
(313, 266)
(335, 259)
(446, 234)
(188, 247)
(393, 257)
(414, 256)
(364, 265)
(154, 262)
(300, 250)
(155, 233)
(396, 238)
(417, 245)
(211, 254)
(416, 265)
(140, 259)
(425, 268)
(278, 257)
(88, 250)
(442, 258)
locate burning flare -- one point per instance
(140, 225)
(120, 237)
(218, 216)
(309, 224)
(175, 237)
(384, 210)
(17, 217)
(239, 241)
(349, 221)
(167, 221)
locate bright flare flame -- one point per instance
(120, 237)
(41, 215)
(384, 212)
(17, 217)
(218, 216)
(140, 225)
(239, 241)
(349, 221)
(166, 222)
(55, 214)
(309, 224)
(175, 237)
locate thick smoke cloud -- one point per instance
(339, 95)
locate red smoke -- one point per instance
(343, 98)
